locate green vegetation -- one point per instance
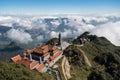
(12, 71)
(75, 56)
(53, 41)
(103, 55)
(79, 69)
(100, 75)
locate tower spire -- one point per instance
(59, 42)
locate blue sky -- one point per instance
(59, 6)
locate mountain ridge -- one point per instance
(103, 56)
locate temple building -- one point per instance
(39, 58)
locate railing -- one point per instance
(56, 71)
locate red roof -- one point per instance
(45, 46)
(54, 57)
(46, 54)
(27, 63)
(42, 50)
(55, 50)
(40, 67)
(16, 58)
(38, 50)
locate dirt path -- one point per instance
(66, 68)
(63, 69)
(86, 59)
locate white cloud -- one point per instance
(40, 38)
(55, 23)
(72, 26)
(6, 21)
(67, 33)
(109, 30)
(19, 35)
(5, 18)
(53, 34)
(97, 19)
(25, 23)
(77, 26)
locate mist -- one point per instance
(41, 28)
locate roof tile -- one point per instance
(40, 67)
(16, 58)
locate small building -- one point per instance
(41, 68)
(26, 62)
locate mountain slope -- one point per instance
(103, 55)
(4, 29)
(12, 71)
(10, 50)
(95, 59)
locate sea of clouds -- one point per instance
(29, 28)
